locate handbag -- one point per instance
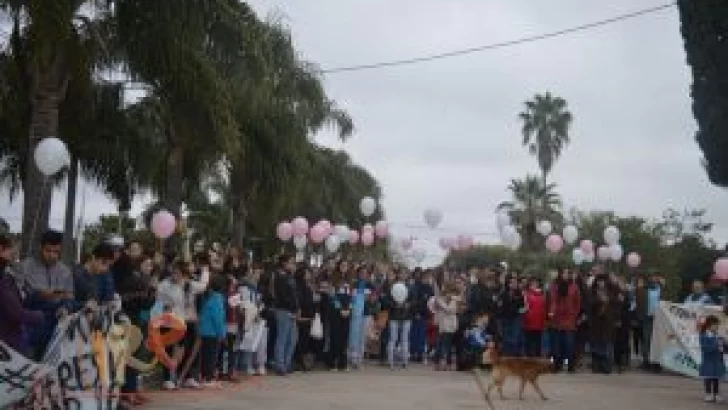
(317, 328)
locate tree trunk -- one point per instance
(239, 206)
(47, 94)
(69, 242)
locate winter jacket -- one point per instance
(483, 299)
(14, 318)
(211, 319)
(565, 310)
(535, 317)
(99, 287)
(137, 296)
(400, 311)
(511, 305)
(193, 288)
(602, 318)
(284, 292)
(446, 314)
(712, 364)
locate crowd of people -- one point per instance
(246, 318)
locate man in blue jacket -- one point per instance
(94, 282)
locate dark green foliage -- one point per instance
(704, 26)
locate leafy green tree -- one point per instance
(531, 202)
(546, 121)
(704, 31)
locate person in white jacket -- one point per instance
(171, 299)
(196, 283)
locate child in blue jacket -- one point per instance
(212, 328)
(712, 366)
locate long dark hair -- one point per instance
(562, 284)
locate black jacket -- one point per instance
(285, 296)
(483, 299)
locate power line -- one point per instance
(493, 46)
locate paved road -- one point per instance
(422, 389)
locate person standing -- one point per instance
(648, 301)
(285, 311)
(51, 289)
(400, 322)
(16, 319)
(510, 318)
(602, 330)
(698, 296)
(534, 320)
(712, 365)
(212, 329)
(564, 310)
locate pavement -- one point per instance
(421, 388)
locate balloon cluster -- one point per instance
(333, 236)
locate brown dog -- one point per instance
(526, 369)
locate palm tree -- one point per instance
(532, 202)
(279, 106)
(60, 44)
(546, 121)
(176, 48)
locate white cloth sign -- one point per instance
(675, 340)
(76, 373)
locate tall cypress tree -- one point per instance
(704, 27)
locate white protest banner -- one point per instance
(675, 342)
(82, 367)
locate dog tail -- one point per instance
(483, 389)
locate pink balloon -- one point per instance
(554, 243)
(284, 231)
(367, 228)
(163, 224)
(406, 243)
(327, 226)
(464, 242)
(353, 237)
(721, 269)
(587, 246)
(603, 253)
(318, 233)
(633, 260)
(300, 226)
(367, 238)
(381, 229)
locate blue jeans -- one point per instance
(443, 352)
(399, 332)
(286, 339)
(562, 346)
(512, 331)
(418, 337)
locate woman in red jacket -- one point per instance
(535, 318)
(564, 308)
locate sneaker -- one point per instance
(718, 399)
(191, 384)
(261, 371)
(709, 398)
(169, 385)
(212, 385)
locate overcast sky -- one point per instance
(445, 134)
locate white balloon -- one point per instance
(332, 243)
(433, 217)
(419, 255)
(507, 234)
(589, 257)
(604, 253)
(51, 155)
(544, 228)
(578, 256)
(342, 231)
(367, 206)
(611, 235)
(570, 234)
(300, 241)
(399, 292)
(503, 219)
(616, 252)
